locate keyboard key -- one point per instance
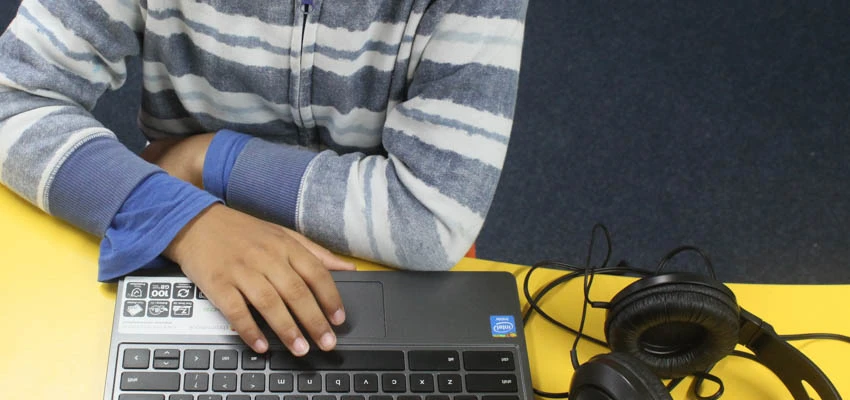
(380, 397)
(253, 361)
(224, 382)
(499, 397)
(449, 383)
(366, 383)
(393, 383)
(465, 397)
(196, 359)
(253, 382)
(340, 360)
(166, 353)
(280, 383)
(238, 397)
(352, 397)
(409, 397)
(196, 382)
(337, 383)
(488, 360)
(324, 397)
(266, 397)
(309, 383)
(181, 397)
(421, 383)
(225, 359)
(209, 397)
(137, 358)
(433, 360)
(437, 397)
(166, 363)
(136, 396)
(150, 381)
(477, 383)
(296, 397)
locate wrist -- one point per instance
(222, 153)
(186, 241)
(195, 168)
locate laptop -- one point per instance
(407, 336)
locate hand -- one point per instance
(181, 158)
(234, 257)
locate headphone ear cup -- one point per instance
(675, 329)
(616, 376)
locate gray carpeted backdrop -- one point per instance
(717, 124)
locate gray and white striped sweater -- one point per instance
(407, 103)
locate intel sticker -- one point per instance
(502, 326)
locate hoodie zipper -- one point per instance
(306, 7)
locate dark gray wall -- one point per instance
(718, 124)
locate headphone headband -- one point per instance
(786, 361)
(668, 279)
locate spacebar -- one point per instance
(353, 360)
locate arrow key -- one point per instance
(136, 358)
(166, 353)
(165, 363)
(196, 359)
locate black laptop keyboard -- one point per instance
(222, 372)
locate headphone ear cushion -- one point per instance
(629, 379)
(675, 329)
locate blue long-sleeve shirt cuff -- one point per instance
(255, 176)
(221, 156)
(148, 220)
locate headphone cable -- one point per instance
(586, 284)
(681, 249)
(623, 269)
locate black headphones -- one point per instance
(678, 324)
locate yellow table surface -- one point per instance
(57, 318)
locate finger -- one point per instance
(322, 285)
(299, 297)
(329, 259)
(266, 299)
(232, 305)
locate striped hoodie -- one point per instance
(405, 108)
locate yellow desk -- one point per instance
(57, 318)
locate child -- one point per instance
(377, 128)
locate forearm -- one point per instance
(372, 207)
(63, 161)
(58, 59)
(147, 222)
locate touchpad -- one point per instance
(364, 310)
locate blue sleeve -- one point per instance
(148, 220)
(255, 176)
(221, 156)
